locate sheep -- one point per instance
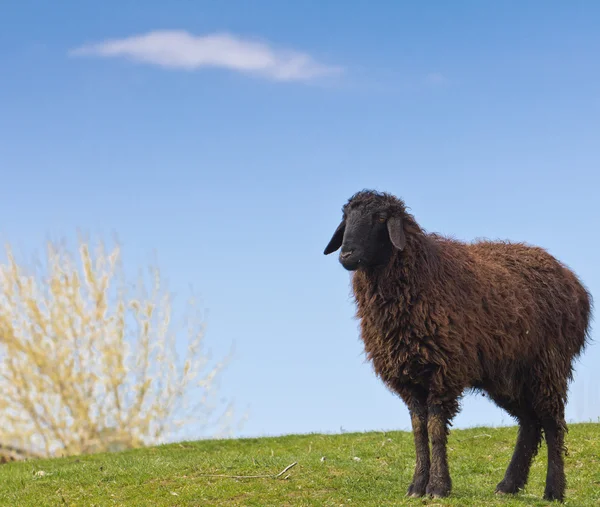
(439, 317)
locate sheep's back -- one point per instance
(538, 304)
(472, 310)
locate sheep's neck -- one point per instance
(390, 298)
(390, 303)
(403, 280)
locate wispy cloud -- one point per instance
(436, 79)
(176, 49)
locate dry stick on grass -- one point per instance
(271, 476)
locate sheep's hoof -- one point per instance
(416, 489)
(554, 496)
(507, 488)
(438, 490)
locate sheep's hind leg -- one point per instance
(551, 411)
(554, 430)
(527, 445)
(528, 441)
(438, 420)
(417, 405)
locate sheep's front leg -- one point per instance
(417, 405)
(440, 413)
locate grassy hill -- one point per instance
(331, 470)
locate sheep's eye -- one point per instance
(381, 218)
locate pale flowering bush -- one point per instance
(89, 363)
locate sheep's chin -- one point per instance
(351, 265)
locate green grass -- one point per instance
(173, 474)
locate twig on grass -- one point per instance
(270, 476)
(482, 435)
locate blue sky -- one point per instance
(230, 149)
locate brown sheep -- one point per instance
(439, 316)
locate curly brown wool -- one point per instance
(439, 316)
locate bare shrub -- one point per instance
(89, 363)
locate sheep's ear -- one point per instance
(396, 232)
(336, 240)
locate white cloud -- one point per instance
(176, 49)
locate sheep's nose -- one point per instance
(345, 254)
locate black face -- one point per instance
(367, 239)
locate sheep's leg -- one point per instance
(528, 441)
(418, 414)
(438, 420)
(550, 407)
(526, 447)
(554, 430)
